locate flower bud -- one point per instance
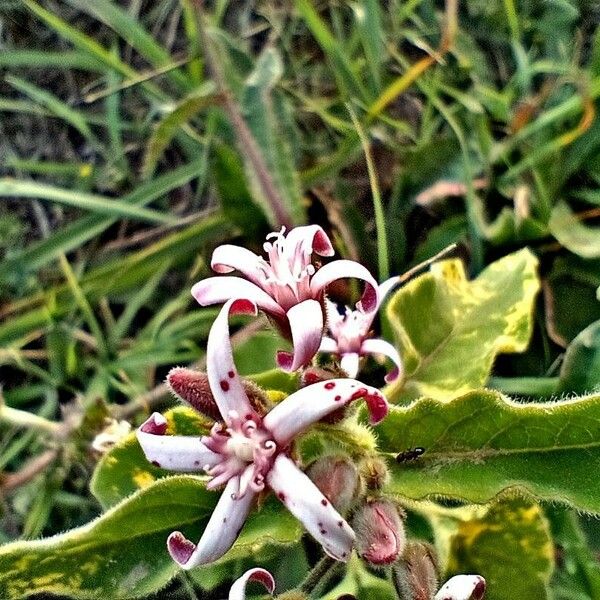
(416, 574)
(193, 388)
(462, 587)
(380, 537)
(374, 473)
(337, 477)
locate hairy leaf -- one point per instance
(449, 330)
(482, 443)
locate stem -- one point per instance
(319, 571)
(34, 467)
(22, 418)
(246, 142)
(382, 245)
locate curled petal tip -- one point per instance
(156, 424)
(285, 360)
(392, 375)
(243, 306)
(180, 548)
(377, 405)
(238, 589)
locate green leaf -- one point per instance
(123, 553)
(265, 112)
(482, 443)
(580, 371)
(81, 200)
(572, 234)
(169, 125)
(359, 583)
(507, 542)
(449, 330)
(120, 555)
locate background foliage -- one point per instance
(124, 162)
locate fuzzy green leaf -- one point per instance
(483, 443)
(449, 330)
(507, 542)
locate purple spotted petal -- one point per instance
(225, 383)
(220, 533)
(304, 500)
(462, 587)
(311, 403)
(306, 325)
(173, 452)
(238, 589)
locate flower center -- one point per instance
(349, 330)
(288, 270)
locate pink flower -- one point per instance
(248, 452)
(287, 286)
(238, 589)
(350, 335)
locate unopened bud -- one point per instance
(193, 388)
(416, 574)
(337, 477)
(374, 473)
(462, 587)
(380, 537)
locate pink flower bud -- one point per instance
(380, 537)
(193, 388)
(338, 480)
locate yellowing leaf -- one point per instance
(449, 329)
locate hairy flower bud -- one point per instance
(462, 587)
(380, 537)
(416, 574)
(193, 388)
(337, 478)
(374, 473)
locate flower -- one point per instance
(462, 587)
(350, 335)
(249, 451)
(287, 286)
(238, 589)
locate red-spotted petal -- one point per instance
(306, 325)
(462, 587)
(173, 452)
(304, 500)
(313, 402)
(238, 589)
(225, 383)
(220, 533)
(375, 346)
(215, 290)
(340, 269)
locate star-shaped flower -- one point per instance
(287, 286)
(248, 452)
(350, 335)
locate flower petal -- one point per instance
(225, 383)
(304, 500)
(306, 325)
(228, 258)
(386, 287)
(349, 362)
(220, 533)
(462, 587)
(313, 402)
(328, 345)
(215, 290)
(310, 238)
(375, 346)
(238, 589)
(173, 452)
(339, 269)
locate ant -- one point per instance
(410, 454)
